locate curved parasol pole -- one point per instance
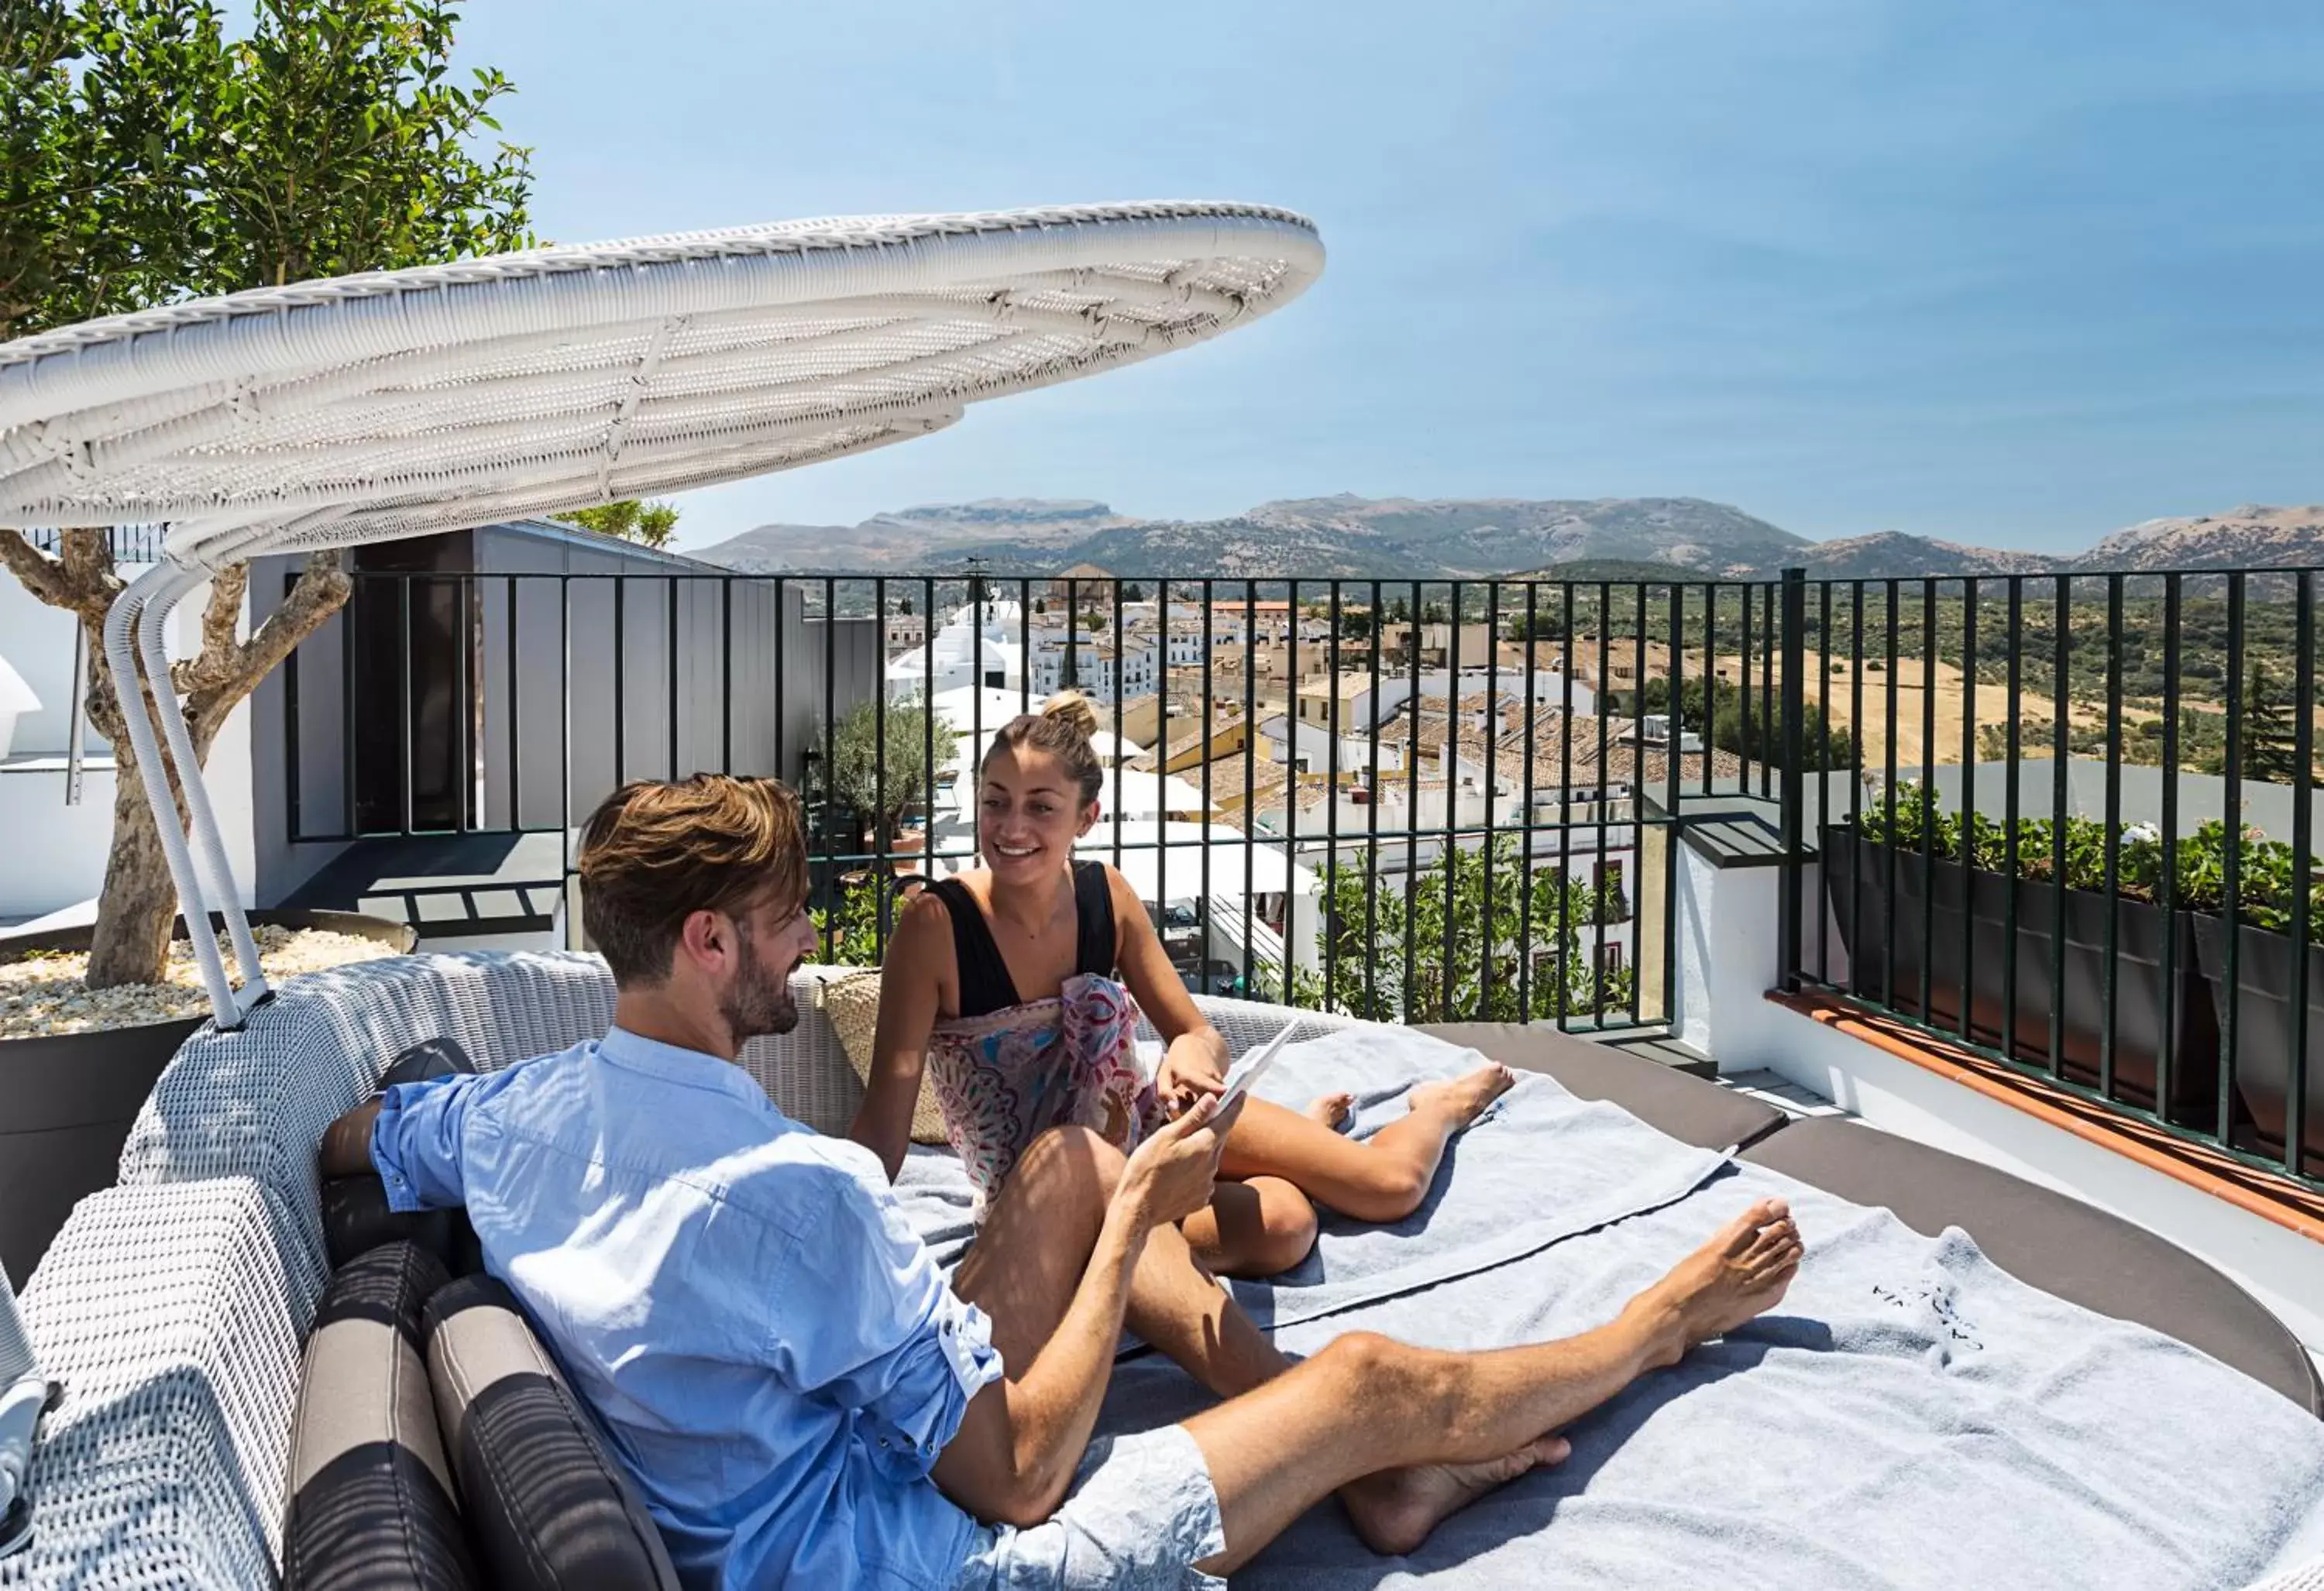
(136, 717)
(144, 610)
(24, 1394)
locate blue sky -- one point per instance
(2009, 273)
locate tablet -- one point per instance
(1253, 1066)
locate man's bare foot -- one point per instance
(1464, 1097)
(1736, 1277)
(1394, 1511)
(1331, 1109)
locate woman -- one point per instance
(1019, 984)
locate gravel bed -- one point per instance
(40, 991)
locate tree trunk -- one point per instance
(131, 940)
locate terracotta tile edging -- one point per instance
(2271, 1199)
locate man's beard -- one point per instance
(758, 1002)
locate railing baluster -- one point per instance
(781, 692)
(1161, 755)
(832, 905)
(2112, 928)
(1824, 766)
(1633, 887)
(2009, 808)
(1893, 598)
(1446, 846)
(1673, 832)
(2303, 865)
(1485, 979)
(1210, 751)
(1250, 769)
(1856, 978)
(883, 871)
(1598, 811)
(1412, 810)
(1968, 812)
(2231, 912)
(1565, 943)
(1371, 819)
(1767, 707)
(2061, 749)
(2167, 893)
(1525, 868)
(670, 586)
(1928, 795)
(1793, 772)
(1743, 720)
(564, 756)
(1323, 915)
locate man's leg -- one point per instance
(1036, 1245)
(1409, 1435)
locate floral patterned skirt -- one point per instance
(1005, 1077)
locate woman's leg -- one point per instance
(1382, 1179)
(1259, 1228)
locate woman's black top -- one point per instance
(985, 986)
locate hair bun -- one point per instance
(1073, 710)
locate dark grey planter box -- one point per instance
(1873, 927)
(2265, 1035)
(67, 1100)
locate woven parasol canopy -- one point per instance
(370, 408)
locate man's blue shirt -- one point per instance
(771, 1351)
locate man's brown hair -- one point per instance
(653, 853)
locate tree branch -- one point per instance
(44, 576)
(221, 616)
(322, 589)
(88, 557)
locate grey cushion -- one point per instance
(2048, 1240)
(547, 1505)
(355, 1217)
(372, 1504)
(1688, 1109)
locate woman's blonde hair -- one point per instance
(1062, 728)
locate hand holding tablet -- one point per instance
(1253, 1065)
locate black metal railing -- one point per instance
(2021, 812)
(2082, 840)
(130, 544)
(1501, 850)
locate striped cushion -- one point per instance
(371, 1497)
(547, 1505)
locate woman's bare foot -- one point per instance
(1736, 1277)
(1464, 1098)
(1331, 1109)
(1394, 1511)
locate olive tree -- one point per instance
(152, 155)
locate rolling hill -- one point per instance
(1403, 538)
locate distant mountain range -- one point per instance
(1357, 538)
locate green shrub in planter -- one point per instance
(1927, 936)
(2267, 1025)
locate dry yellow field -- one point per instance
(1992, 706)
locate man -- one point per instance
(803, 1398)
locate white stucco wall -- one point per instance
(53, 856)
